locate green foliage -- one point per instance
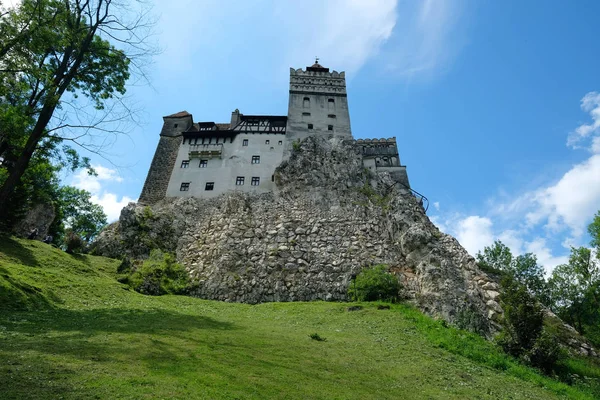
(375, 283)
(524, 335)
(75, 348)
(54, 52)
(594, 231)
(498, 259)
(79, 214)
(575, 292)
(470, 319)
(159, 275)
(73, 242)
(523, 318)
(296, 145)
(375, 198)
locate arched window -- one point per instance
(306, 102)
(331, 104)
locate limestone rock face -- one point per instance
(328, 219)
(39, 216)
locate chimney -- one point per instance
(235, 118)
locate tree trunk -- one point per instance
(20, 166)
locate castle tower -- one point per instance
(318, 103)
(155, 187)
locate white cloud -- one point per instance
(344, 33)
(544, 255)
(474, 232)
(436, 205)
(96, 186)
(111, 205)
(563, 209)
(408, 38)
(590, 104)
(571, 201)
(426, 38)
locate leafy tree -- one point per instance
(79, 214)
(594, 231)
(528, 272)
(575, 292)
(495, 258)
(524, 268)
(524, 335)
(52, 53)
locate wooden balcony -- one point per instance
(206, 150)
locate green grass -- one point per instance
(69, 330)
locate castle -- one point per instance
(206, 159)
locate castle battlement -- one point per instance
(206, 159)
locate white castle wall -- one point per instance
(235, 160)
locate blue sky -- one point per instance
(495, 104)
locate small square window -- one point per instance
(331, 116)
(245, 142)
(185, 163)
(267, 141)
(306, 114)
(310, 126)
(255, 181)
(209, 186)
(255, 159)
(280, 142)
(203, 163)
(329, 127)
(185, 186)
(175, 126)
(239, 181)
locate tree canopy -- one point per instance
(52, 53)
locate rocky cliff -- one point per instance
(328, 219)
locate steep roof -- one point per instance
(180, 114)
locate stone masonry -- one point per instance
(155, 187)
(328, 218)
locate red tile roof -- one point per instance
(180, 114)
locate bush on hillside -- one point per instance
(375, 283)
(524, 335)
(158, 275)
(74, 242)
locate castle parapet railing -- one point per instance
(206, 150)
(376, 151)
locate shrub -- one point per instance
(546, 352)
(159, 275)
(375, 283)
(74, 242)
(471, 319)
(524, 335)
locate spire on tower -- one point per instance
(316, 67)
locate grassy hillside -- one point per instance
(69, 330)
